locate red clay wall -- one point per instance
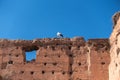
(99, 59)
(57, 59)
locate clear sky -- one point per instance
(30, 19)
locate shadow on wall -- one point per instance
(1, 78)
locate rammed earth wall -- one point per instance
(57, 59)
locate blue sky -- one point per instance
(30, 19)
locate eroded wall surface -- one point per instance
(57, 59)
(114, 67)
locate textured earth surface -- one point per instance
(56, 59)
(114, 67)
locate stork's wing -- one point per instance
(61, 35)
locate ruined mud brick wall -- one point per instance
(114, 67)
(99, 59)
(56, 59)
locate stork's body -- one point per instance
(59, 35)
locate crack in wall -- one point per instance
(88, 60)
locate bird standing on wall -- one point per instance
(59, 35)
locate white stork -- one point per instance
(59, 35)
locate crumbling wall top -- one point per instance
(115, 18)
(99, 43)
(29, 45)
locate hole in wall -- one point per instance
(1, 77)
(62, 49)
(30, 53)
(116, 41)
(57, 44)
(87, 50)
(78, 79)
(106, 48)
(55, 64)
(70, 43)
(10, 54)
(58, 56)
(31, 72)
(102, 51)
(103, 63)
(116, 64)
(53, 72)
(70, 55)
(21, 72)
(53, 48)
(10, 62)
(2, 45)
(78, 47)
(43, 72)
(79, 64)
(45, 64)
(69, 47)
(30, 56)
(17, 55)
(16, 47)
(63, 72)
(70, 72)
(118, 51)
(71, 64)
(100, 45)
(45, 55)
